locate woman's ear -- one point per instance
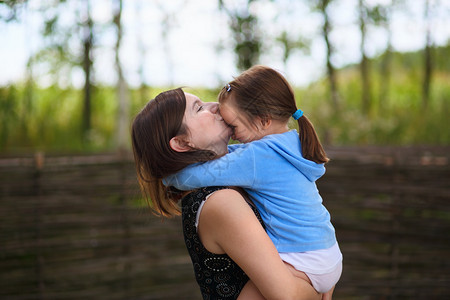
(178, 144)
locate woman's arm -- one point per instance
(228, 225)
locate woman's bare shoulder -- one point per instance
(222, 219)
(225, 206)
(225, 198)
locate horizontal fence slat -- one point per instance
(75, 227)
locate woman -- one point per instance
(176, 130)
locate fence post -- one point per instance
(395, 223)
(38, 165)
(125, 225)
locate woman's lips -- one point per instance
(228, 131)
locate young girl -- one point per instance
(278, 168)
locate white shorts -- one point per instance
(323, 267)
(325, 282)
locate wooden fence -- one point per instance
(76, 228)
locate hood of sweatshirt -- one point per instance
(288, 146)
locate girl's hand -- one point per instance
(328, 295)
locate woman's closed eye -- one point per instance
(200, 107)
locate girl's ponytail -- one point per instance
(311, 147)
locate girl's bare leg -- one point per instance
(250, 292)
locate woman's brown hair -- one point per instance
(263, 92)
(153, 127)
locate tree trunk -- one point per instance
(386, 64)
(166, 25)
(386, 75)
(332, 78)
(364, 65)
(428, 65)
(246, 35)
(122, 87)
(143, 87)
(28, 108)
(87, 67)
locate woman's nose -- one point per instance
(213, 107)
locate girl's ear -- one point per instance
(264, 122)
(178, 144)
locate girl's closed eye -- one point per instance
(200, 107)
(233, 128)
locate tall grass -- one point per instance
(398, 119)
(49, 119)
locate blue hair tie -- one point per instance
(298, 114)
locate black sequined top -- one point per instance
(217, 275)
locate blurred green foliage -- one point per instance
(48, 119)
(400, 120)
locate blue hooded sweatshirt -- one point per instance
(281, 183)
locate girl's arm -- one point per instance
(233, 169)
(228, 225)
